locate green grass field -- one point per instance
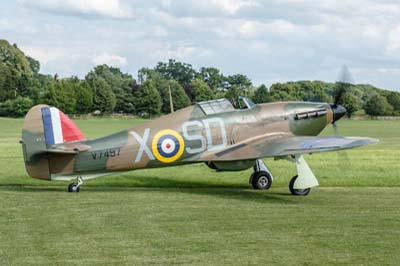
(190, 215)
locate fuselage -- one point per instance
(188, 134)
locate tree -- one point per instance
(37, 85)
(181, 72)
(240, 81)
(16, 108)
(15, 71)
(34, 64)
(147, 99)
(311, 91)
(212, 77)
(5, 73)
(103, 97)
(120, 83)
(66, 95)
(394, 99)
(378, 105)
(283, 92)
(201, 90)
(60, 94)
(179, 97)
(83, 95)
(261, 95)
(351, 103)
(233, 93)
(147, 73)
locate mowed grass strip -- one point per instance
(191, 215)
(198, 226)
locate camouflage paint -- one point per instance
(200, 137)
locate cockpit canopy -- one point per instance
(224, 105)
(244, 103)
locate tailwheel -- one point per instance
(297, 192)
(75, 187)
(261, 180)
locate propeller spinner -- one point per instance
(338, 112)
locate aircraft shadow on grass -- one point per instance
(167, 185)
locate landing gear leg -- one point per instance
(74, 187)
(262, 177)
(301, 184)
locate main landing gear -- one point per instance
(300, 184)
(261, 178)
(74, 187)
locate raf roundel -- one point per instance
(168, 146)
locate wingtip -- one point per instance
(368, 141)
(361, 141)
(373, 140)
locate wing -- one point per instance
(282, 145)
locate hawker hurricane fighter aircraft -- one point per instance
(212, 132)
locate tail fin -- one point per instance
(45, 126)
(58, 128)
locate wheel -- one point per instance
(297, 192)
(261, 180)
(73, 188)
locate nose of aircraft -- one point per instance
(338, 111)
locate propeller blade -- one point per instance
(344, 82)
(335, 128)
(345, 75)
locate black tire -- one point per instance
(251, 178)
(297, 192)
(261, 180)
(73, 188)
(211, 165)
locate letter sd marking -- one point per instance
(168, 146)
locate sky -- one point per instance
(269, 41)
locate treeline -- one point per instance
(106, 89)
